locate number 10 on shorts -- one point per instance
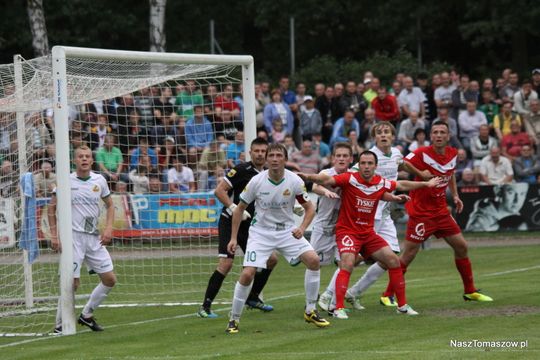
(251, 256)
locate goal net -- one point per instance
(163, 129)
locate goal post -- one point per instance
(176, 253)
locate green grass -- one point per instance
(434, 289)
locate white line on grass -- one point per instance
(513, 271)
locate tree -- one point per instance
(38, 27)
(157, 25)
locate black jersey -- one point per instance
(238, 178)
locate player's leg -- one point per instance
(464, 266)
(261, 278)
(410, 249)
(324, 244)
(225, 264)
(342, 280)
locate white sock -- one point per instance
(96, 298)
(59, 313)
(371, 275)
(241, 294)
(331, 288)
(311, 286)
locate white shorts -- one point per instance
(324, 244)
(387, 230)
(87, 248)
(261, 244)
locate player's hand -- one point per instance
(426, 175)
(331, 195)
(433, 182)
(459, 204)
(402, 198)
(55, 244)
(298, 233)
(298, 211)
(106, 237)
(302, 176)
(231, 246)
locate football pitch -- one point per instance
(447, 327)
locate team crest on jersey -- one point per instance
(287, 192)
(231, 173)
(95, 188)
(347, 241)
(420, 229)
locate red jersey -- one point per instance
(359, 200)
(226, 104)
(431, 202)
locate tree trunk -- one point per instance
(36, 17)
(157, 25)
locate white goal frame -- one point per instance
(60, 106)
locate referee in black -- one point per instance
(228, 192)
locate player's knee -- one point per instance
(247, 275)
(272, 261)
(109, 280)
(393, 262)
(225, 266)
(311, 260)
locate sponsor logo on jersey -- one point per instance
(231, 173)
(287, 192)
(95, 188)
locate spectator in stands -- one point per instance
(208, 98)
(536, 80)
(9, 180)
(462, 163)
(310, 118)
(165, 127)
(429, 103)
(352, 101)
(44, 180)
(288, 96)
(278, 132)
(501, 122)
(356, 146)
(523, 97)
(419, 140)
(527, 166)
(225, 101)
(343, 126)
(443, 94)
(386, 107)
(139, 179)
(488, 106)
(328, 106)
(300, 94)
(396, 88)
(373, 91)
(109, 160)
(307, 160)
(154, 183)
(322, 148)
(319, 90)
(144, 103)
(230, 125)
(101, 129)
(511, 144)
(259, 106)
(411, 99)
(339, 89)
(481, 145)
(131, 132)
(40, 136)
(365, 127)
(180, 178)
(88, 138)
(143, 150)
(188, 99)
(290, 145)
(164, 102)
(469, 124)
(278, 108)
(199, 134)
(235, 149)
(166, 153)
(408, 128)
(265, 93)
(262, 134)
(496, 169)
(461, 96)
(512, 86)
(213, 161)
(532, 122)
(468, 178)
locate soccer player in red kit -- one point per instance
(428, 211)
(361, 192)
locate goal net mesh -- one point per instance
(163, 135)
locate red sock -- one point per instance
(342, 283)
(465, 270)
(389, 289)
(397, 281)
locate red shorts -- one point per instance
(365, 244)
(420, 229)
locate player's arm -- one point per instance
(51, 215)
(406, 185)
(107, 235)
(411, 169)
(401, 198)
(309, 209)
(236, 220)
(322, 191)
(321, 179)
(452, 185)
(222, 193)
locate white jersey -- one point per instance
(327, 209)
(85, 197)
(181, 178)
(387, 167)
(274, 202)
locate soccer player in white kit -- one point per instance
(274, 192)
(87, 190)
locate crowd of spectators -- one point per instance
(184, 138)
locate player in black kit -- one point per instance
(232, 185)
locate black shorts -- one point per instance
(224, 228)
